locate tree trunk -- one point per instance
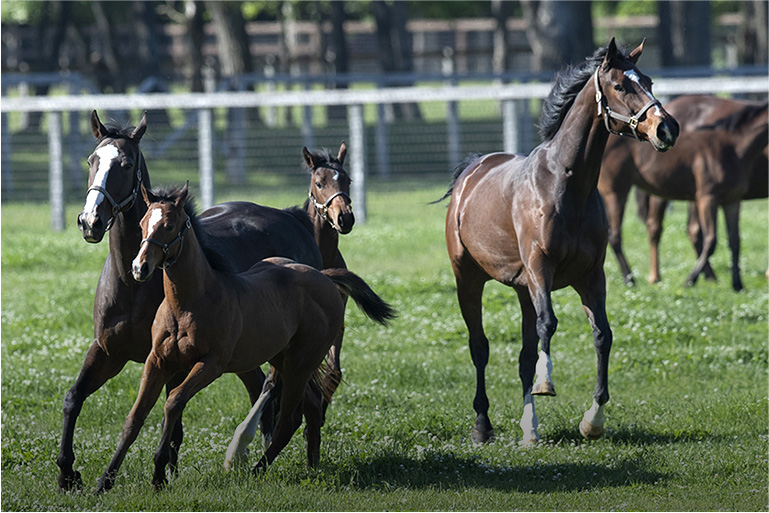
(685, 33)
(559, 32)
(500, 10)
(104, 60)
(336, 56)
(752, 37)
(145, 23)
(52, 32)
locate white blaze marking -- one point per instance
(106, 155)
(633, 76)
(155, 216)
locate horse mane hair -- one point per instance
(215, 259)
(740, 120)
(323, 156)
(115, 130)
(466, 162)
(569, 81)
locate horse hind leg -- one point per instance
(469, 294)
(707, 207)
(732, 215)
(694, 232)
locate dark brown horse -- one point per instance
(211, 322)
(536, 223)
(720, 159)
(238, 234)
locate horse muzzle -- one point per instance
(91, 226)
(345, 222)
(141, 271)
(666, 134)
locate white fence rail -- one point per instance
(514, 112)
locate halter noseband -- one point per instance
(167, 262)
(631, 121)
(128, 202)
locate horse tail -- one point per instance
(642, 204)
(458, 171)
(367, 300)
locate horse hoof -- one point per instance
(546, 388)
(589, 431)
(482, 436)
(529, 441)
(70, 482)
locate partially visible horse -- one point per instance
(211, 322)
(719, 160)
(239, 233)
(536, 223)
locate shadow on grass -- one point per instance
(449, 472)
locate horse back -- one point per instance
(244, 233)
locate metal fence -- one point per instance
(238, 140)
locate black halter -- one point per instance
(631, 121)
(167, 262)
(128, 202)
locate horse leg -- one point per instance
(333, 374)
(153, 380)
(254, 382)
(732, 214)
(178, 432)
(593, 295)
(98, 368)
(312, 407)
(469, 293)
(203, 373)
(527, 361)
(654, 216)
(614, 202)
(237, 451)
(294, 386)
(707, 207)
(695, 236)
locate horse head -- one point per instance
(626, 103)
(163, 226)
(115, 175)
(330, 188)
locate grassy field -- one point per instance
(687, 424)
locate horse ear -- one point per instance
(149, 198)
(635, 54)
(342, 153)
(97, 128)
(611, 52)
(182, 199)
(308, 158)
(138, 132)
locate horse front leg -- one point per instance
(707, 207)
(732, 215)
(527, 362)
(469, 294)
(153, 380)
(203, 373)
(654, 217)
(593, 294)
(97, 369)
(614, 202)
(694, 232)
(254, 382)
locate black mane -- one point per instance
(568, 83)
(324, 158)
(215, 259)
(458, 171)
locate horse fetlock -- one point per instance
(70, 480)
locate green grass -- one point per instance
(687, 424)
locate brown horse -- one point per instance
(536, 223)
(211, 322)
(720, 159)
(237, 235)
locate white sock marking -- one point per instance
(529, 421)
(244, 434)
(544, 368)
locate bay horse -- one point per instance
(719, 160)
(239, 234)
(211, 322)
(536, 223)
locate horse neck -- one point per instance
(578, 146)
(125, 235)
(751, 143)
(326, 237)
(190, 276)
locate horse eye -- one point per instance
(619, 88)
(319, 185)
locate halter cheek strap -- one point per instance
(631, 121)
(126, 203)
(169, 261)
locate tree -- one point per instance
(752, 37)
(559, 32)
(684, 31)
(336, 55)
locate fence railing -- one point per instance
(513, 99)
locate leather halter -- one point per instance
(632, 121)
(128, 202)
(167, 262)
